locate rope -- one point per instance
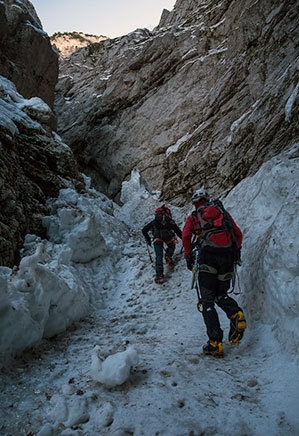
(195, 281)
(235, 282)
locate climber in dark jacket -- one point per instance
(164, 231)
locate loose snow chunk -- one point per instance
(69, 196)
(115, 369)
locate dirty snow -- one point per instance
(109, 352)
(90, 345)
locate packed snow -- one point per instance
(90, 345)
(107, 351)
(11, 116)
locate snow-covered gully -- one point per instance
(95, 268)
(172, 390)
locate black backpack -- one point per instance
(163, 216)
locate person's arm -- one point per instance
(187, 236)
(145, 231)
(177, 230)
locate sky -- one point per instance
(110, 352)
(100, 17)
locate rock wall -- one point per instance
(67, 43)
(206, 98)
(34, 165)
(34, 162)
(26, 55)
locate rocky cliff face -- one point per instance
(34, 165)
(206, 98)
(67, 43)
(26, 55)
(34, 162)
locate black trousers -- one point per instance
(158, 246)
(215, 273)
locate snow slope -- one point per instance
(91, 286)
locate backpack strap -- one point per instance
(236, 252)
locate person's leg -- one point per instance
(158, 246)
(208, 288)
(169, 253)
(210, 315)
(228, 305)
(214, 346)
(233, 311)
(170, 249)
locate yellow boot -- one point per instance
(213, 348)
(237, 327)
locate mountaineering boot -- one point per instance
(159, 278)
(213, 348)
(237, 327)
(169, 262)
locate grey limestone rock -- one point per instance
(200, 100)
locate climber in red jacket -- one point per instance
(211, 230)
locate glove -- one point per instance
(189, 262)
(148, 241)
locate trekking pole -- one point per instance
(149, 254)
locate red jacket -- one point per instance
(192, 227)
